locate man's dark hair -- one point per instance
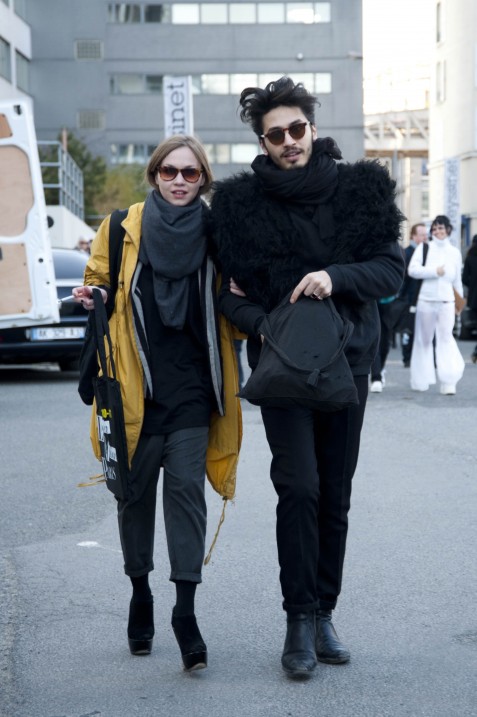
(256, 102)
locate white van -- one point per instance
(28, 295)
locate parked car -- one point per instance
(55, 342)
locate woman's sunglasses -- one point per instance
(190, 174)
(277, 136)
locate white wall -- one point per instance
(67, 228)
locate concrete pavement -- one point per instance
(407, 610)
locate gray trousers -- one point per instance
(182, 456)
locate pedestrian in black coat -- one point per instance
(469, 279)
(302, 222)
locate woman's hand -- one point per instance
(441, 270)
(316, 285)
(235, 289)
(84, 295)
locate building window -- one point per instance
(88, 49)
(90, 119)
(440, 82)
(213, 13)
(271, 13)
(210, 13)
(157, 13)
(319, 83)
(23, 72)
(242, 13)
(185, 14)
(5, 61)
(439, 22)
(124, 12)
(221, 153)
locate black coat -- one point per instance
(260, 243)
(469, 278)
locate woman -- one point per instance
(164, 329)
(435, 314)
(469, 278)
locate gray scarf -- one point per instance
(174, 245)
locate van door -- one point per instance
(27, 278)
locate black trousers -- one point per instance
(314, 459)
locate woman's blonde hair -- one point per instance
(169, 145)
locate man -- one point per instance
(410, 286)
(302, 222)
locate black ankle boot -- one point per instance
(328, 646)
(192, 646)
(299, 659)
(141, 626)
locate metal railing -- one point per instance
(68, 186)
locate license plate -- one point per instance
(60, 333)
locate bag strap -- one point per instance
(266, 331)
(116, 242)
(425, 252)
(99, 319)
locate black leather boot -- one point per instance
(192, 646)
(299, 658)
(328, 646)
(141, 626)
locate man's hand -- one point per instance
(317, 285)
(84, 295)
(235, 289)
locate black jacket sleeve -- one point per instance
(375, 278)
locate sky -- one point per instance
(398, 37)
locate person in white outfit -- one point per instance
(435, 314)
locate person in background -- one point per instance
(469, 279)
(385, 340)
(164, 330)
(435, 314)
(83, 245)
(410, 286)
(302, 224)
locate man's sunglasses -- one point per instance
(277, 136)
(190, 174)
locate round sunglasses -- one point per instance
(167, 172)
(277, 135)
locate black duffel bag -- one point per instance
(302, 361)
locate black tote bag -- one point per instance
(302, 361)
(109, 408)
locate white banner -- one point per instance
(452, 197)
(178, 109)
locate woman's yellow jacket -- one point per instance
(225, 433)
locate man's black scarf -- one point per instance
(311, 185)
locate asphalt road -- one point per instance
(407, 611)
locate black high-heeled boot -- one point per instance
(141, 626)
(192, 646)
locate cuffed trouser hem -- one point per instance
(294, 609)
(189, 577)
(139, 572)
(327, 604)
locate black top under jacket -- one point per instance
(182, 386)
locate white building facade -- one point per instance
(453, 117)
